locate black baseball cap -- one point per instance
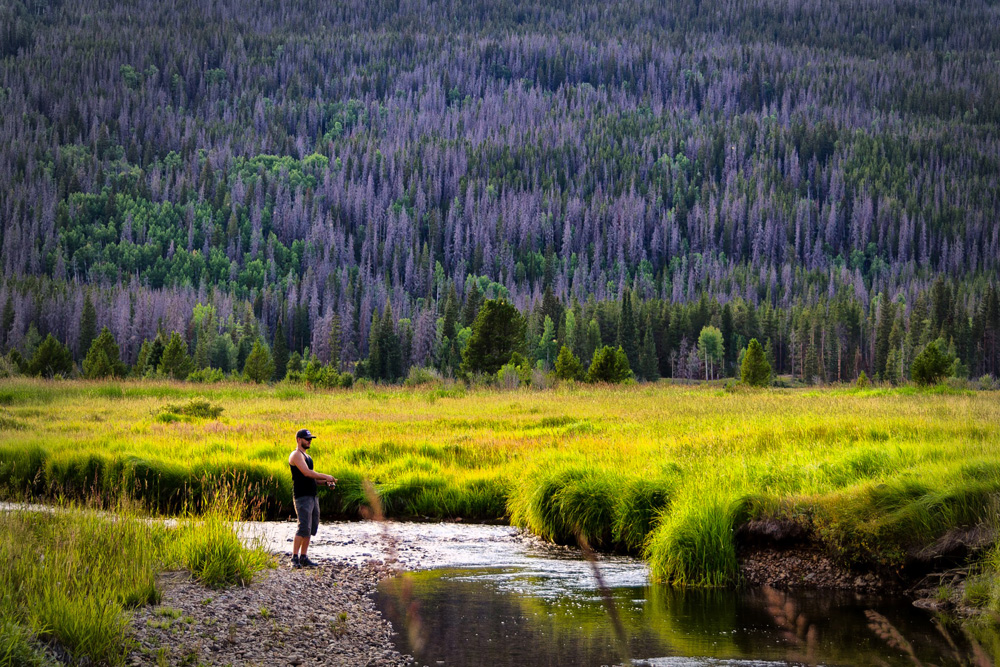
(305, 434)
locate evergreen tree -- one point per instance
(6, 321)
(391, 347)
(894, 367)
(593, 340)
(102, 358)
(155, 355)
(609, 365)
(546, 350)
(648, 362)
(88, 325)
(886, 317)
(726, 327)
(175, 362)
(280, 352)
(472, 303)
(627, 339)
(568, 367)
(51, 358)
(755, 370)
(259, 366)
(334, 337)
(931, 365)
(498, 332)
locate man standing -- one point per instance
(304, 491)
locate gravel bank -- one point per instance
(805, 568)
(286, 617)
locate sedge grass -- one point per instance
(667, 471)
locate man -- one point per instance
(304, 491)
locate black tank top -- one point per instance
(302, 485)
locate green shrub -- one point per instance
(932, 365)
(609, 365)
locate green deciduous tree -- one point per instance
(710, 348)
(755, 370)
(497, 333)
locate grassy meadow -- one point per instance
(664, 471)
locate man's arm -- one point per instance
(299, 462)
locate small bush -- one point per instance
(206, 375)
(196, 408)
(421, 376)
(213, 552)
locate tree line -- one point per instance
(484, 334)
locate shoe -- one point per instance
(296, 563)
(305, 562)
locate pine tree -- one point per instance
(88, 325)
(175, 362)
(6, 321)
(627, 339)
(472, 303)
(567, 366)
(547, 343)
(755, 371)
(886, 317)
(334, 337)
(648, 362)
(391, 347)
(609, 365)
(593, 340)
(497, 333)
(102, 358)
(259, 366)
(51, 358)
(280, 352)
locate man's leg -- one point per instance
(304, 542)
(296, 545)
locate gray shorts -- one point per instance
(307, 509)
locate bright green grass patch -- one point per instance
(70, 575)
(666, 471)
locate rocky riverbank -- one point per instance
(324, 616)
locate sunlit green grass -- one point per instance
(666, 471)
(71, 575)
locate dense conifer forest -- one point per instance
(345, 183)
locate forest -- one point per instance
(329, 181)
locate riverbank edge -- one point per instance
(297, 617)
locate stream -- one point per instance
(493, 595)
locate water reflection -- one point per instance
(493, 616)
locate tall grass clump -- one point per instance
(638, 508)
(69, 576)
(693, 544)
(210, 547)
(561, 502)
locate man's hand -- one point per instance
(331, 482)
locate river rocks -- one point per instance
(804, 568)
(303, 617)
